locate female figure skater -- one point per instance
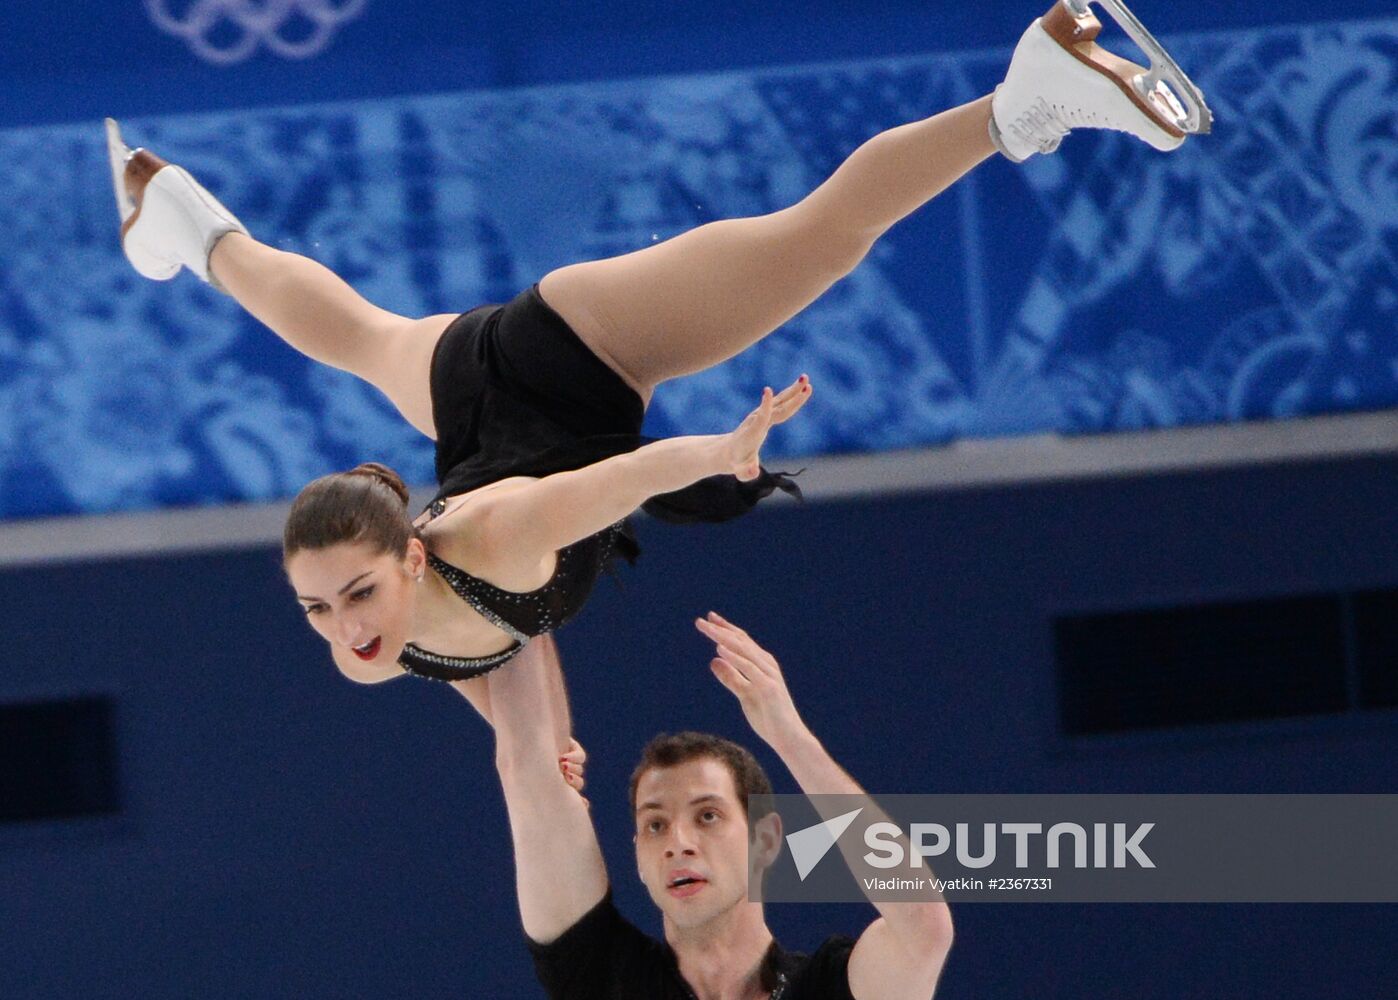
(536, 405)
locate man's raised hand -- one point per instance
(755, 678)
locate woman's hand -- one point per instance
(741, 447)
(755, 678)
(572, 764)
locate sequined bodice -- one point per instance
(521, 616)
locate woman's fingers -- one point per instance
(794, 393)
(787, 402)
(747, 439)
(762, 415)
(799, 396)
(776, 408)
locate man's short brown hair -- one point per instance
(674, 749)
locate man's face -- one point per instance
(692, 841)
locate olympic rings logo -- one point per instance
(253, 23)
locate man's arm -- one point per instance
(901, 954)
(559, 871)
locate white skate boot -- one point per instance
(168, 220)
(1060, 79)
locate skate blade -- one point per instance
(1164, 89)
(118, 153)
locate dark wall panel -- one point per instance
(57, 760)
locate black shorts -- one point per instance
(516, 393)
(513, 382)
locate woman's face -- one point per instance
(360, 599)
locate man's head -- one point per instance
(689, 797)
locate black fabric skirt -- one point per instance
(515, 392)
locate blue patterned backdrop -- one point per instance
(1250, 275)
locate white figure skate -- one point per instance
(1060, 79)
(168, 220)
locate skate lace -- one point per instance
(1045, 124)
(1041, 124)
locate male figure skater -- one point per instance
(693, 838)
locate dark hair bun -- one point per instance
(384, 475)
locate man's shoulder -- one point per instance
(602, 955)
(822, 974)
(601, 925)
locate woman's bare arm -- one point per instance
(525, 525)
(549, 821)
(477, 692)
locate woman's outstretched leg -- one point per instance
(170, 222)
(316, 312)
(704, 296)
